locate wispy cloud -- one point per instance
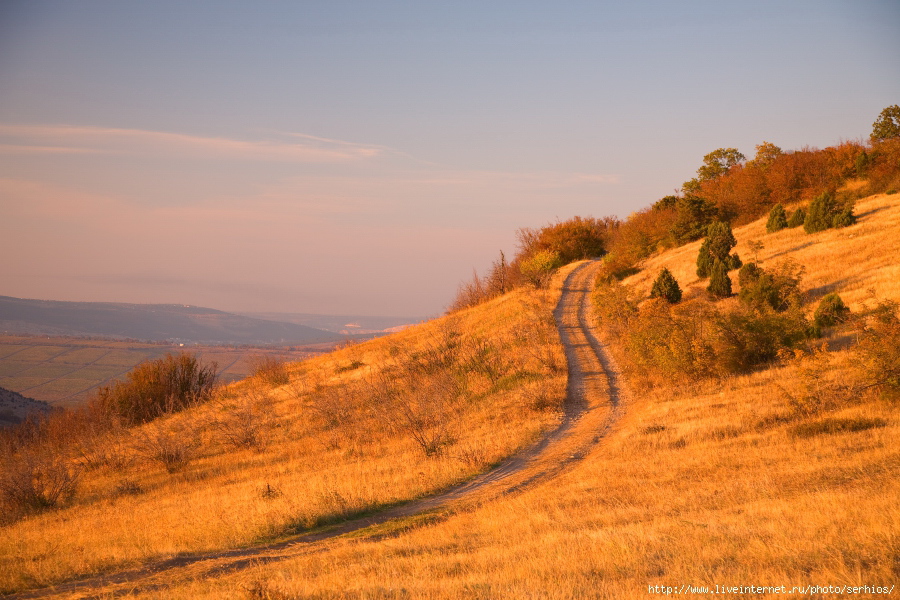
(290, 147)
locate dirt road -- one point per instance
(592, 406)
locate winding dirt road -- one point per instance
(592, 406)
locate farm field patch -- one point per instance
(66, 371)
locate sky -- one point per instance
(352, 157)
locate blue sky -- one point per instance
(364, 157)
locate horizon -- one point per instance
(347, 159)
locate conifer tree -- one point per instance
(821, 213)
(716, 247)
(777, 219)
(797, 218)
(666, 287)
(719, 281)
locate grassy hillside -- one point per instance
(365, 427)
(714, 482)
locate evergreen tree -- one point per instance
(777, 219)
(797, 218)
(717, 247)
(844, 218)
(821, 213)
(719, 281)
(831, 311)
(666, 287)
(704, 260)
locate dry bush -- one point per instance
(879, 351)
(271, 370)
(173, 445)
(242, 422)
(817, 388)
(158, 387)
(425, 409)
(35, 479)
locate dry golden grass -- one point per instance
(326, 447)
(715, 483)
(851, 262)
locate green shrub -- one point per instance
(776, 289)
(749, 273)
(157, 387)
(777, 219)
(666, 287)
(831, 311)
(797, 218)
(826, 212)
(719, 281)
(845, 218)
(745, 339)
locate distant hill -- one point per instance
(157, 322)
(345, 324)
(14, 407)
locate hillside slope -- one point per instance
(719, 482)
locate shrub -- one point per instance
(158, 387)
(539, 267)
(173, 445)
(745, 339)
(749, 273)
(242, 424)
(825, 212)
(879, 351)
(270, 370)
(777, 219)
(844, 218)
(571, 240)
(614, 306)
(797, 218)
(719, 282)
(777, 289)
(831, 311)
(35, 479)
(666, 287)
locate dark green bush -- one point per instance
(717, 247)
(158, 387)
(749, 273)
(776, 289)
(777, 219)
(826, 212)
(719, 281)
(831, 311)
(797, 218)
(666, 287)
(845, 218)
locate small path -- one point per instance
(592, 406)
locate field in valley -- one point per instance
(65, 371)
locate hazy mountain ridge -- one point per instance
(172, 322)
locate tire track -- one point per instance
(593, 404)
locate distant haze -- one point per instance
(355, 157)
